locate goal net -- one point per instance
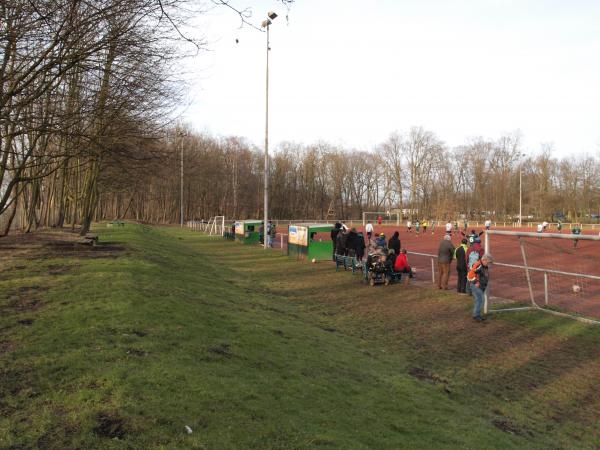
(547, 271)
(213, 226)
(389, 218)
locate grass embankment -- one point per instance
(254, 350)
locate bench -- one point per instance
(89, 239)
(118, 223)
(347, 262)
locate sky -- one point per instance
(350, 72)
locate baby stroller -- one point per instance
(376, 270)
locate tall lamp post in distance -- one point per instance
(521, 188)
(265, 24)
(181, 135)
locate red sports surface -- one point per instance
(567, 292)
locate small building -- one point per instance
(310, 241)
(246, 231)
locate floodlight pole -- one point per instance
(181, 177)
(520, 193)
(521, 188)
(266, 23)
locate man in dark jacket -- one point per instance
(334, 234)
(394, 243)
(360, 248)
(340, 243)
(461, 266)
(351, 242)
(445, 257)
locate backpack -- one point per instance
(473, 258)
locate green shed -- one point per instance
(310, 241)
(246, 231)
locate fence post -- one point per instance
(546, 288)
(432, 271)
(281, 237)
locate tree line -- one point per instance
(86, 92)
(85, 87)
(414, 171)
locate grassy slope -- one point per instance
(254, 350)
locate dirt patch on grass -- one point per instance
(221, 349)
(54, 243)
(110, 425)
(508, 426)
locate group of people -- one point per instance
(471, 261)
(471, 267)
(271, 233)
(350, 242)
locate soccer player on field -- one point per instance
(576, 231)
(448, 227)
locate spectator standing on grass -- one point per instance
(460, 254)
(369, 230)
(334, 233)
(401, 266)
(445, 256)
(360, 247)
(340, 243)
(478, 280)
(394, 243)
(351, 242)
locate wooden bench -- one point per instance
(89, 239)
(347, 262)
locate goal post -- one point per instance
(386, 215)
(552, 272)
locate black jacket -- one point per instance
(394, 243)
(461, 259)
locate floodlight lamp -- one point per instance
(271, 15)
(266, 23)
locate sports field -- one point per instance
(510, 284)
(123, 345)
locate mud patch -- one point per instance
(426, 375)
(136, 352)
(20, 304)
(222, 349)
(504, 424)
(58, 269)
(110, 425)
(26, 322)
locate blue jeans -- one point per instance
(478, 298)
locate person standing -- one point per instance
(272, 233)
(351, 242)
(559, 226)
(417, 227)
(394, 243)
(360, 247)
(334, 233)
(369, 230)
(448, 227)
(409, 225)
(401, 266)
(445, 256)
(478, 280)
(379, 220)
(488, 224)
(425, 225)
(460, 254)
